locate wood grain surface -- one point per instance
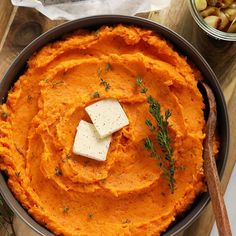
(21, 25)
(5, 14)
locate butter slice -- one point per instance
(107, 116)
(88, 143)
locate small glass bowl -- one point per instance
(217, 34)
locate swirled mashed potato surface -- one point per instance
(126, 194)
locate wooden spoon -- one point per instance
(212, 177)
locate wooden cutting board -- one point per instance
(19, 26)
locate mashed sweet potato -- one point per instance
(127, 194)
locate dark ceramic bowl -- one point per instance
(180, 44)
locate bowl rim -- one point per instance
(179, 43)
(215, 33)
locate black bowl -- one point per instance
(180, 44)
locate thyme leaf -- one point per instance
(29, 98)
(105, 84)
(4, 114)
(164, 160)
(17, 174)
(96, 95)
(126, 221)
(58, 172)
(56, 83)
(66, 209)
(143, 90)
(90, 216)
(139, 81)
(108, 67)
(150, 125)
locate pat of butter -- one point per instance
(88, 143)
(107, 116)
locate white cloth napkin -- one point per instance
(78, 9)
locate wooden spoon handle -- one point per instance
(212, 177)
(217, 200)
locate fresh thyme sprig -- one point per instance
(103, 82)
(162, 137)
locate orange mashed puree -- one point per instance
(127, 194)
